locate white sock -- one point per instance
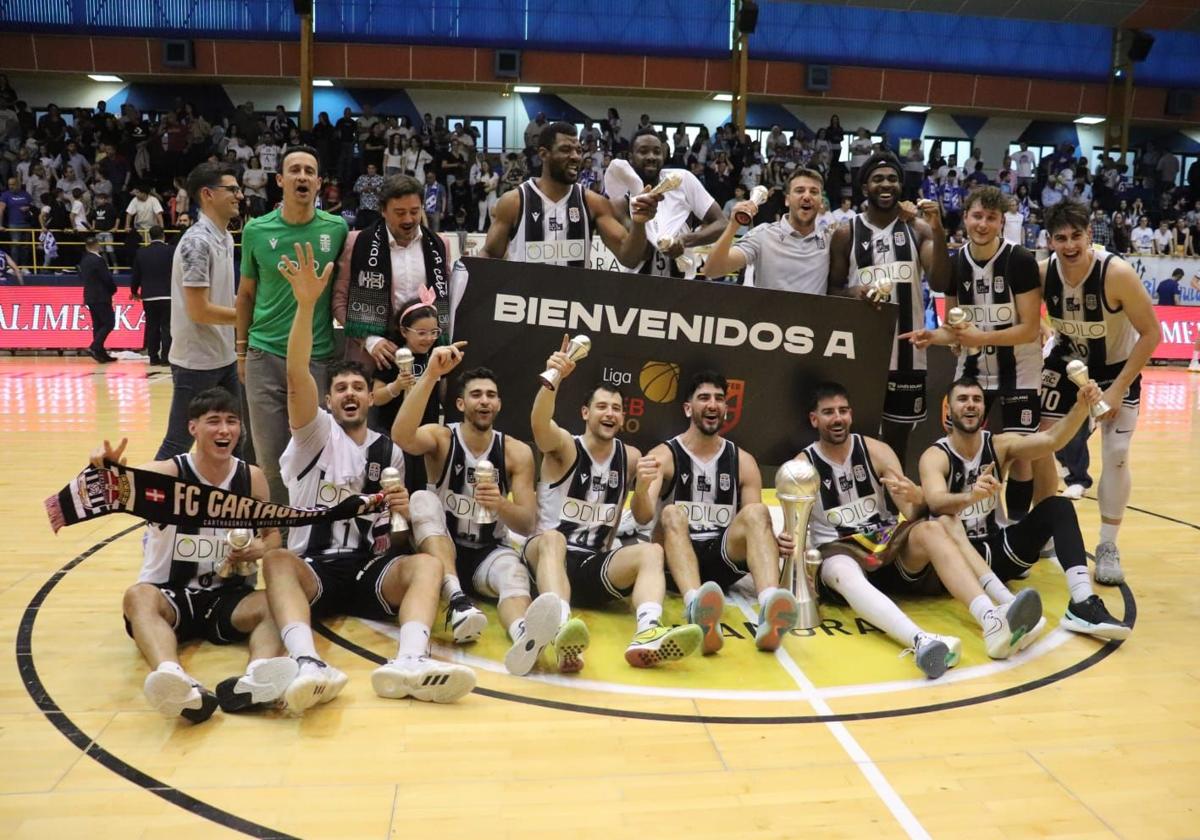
(516, 628)
(690, 596)
(414, 640)
(844, 575)
(1079, 583)
(1048, 548)
(648, 615)
(450, 587)
(1108, 532)
(298, 639)
(980, 607)
(566, 610)
(765, 595)
(995, 589)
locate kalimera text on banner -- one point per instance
(651, 334)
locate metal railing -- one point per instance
(27, 241)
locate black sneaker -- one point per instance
(208, 705)
(261, 687)
(1092, 618)
(465, 619)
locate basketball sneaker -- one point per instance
(659, 644)
(465, 619)
(538, 629)
(777, 616)
(570, 642)
(930, 653)
(422, 678)
(1005, 625)
(706, 610)
(1092, 618)
(175, 694)
(316, 682)
(1032, 636)
(1108, 565)
(261, 686)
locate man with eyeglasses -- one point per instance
(371, 289)
(202, 302)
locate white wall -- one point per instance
(63, 91)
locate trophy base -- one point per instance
(808, 615)
(547, 383)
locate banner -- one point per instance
(1153, 270)
(651, 334)
(55, 318)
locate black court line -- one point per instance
(1183, 522)
(85, 743)
(1101, 654)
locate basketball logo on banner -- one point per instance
(659, 381)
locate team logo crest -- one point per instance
(860, 473)
(899, 238)
(735, 395)
(326, 243)
(844, 483)
(573, 214)
(918, 405)
(998, 284)
(1026, 417)
(614, 478)
(725, 482)
(1091, 302)
(373, 470)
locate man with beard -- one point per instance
(351, 566)
(706, 493)
(677, 214)
(996, 283)
(266, 308)
(580, 497)
(791, 254)
(550, 219)
(889, 241)
(1102, 315)
(868, 524)
(968, 453)
(480, 554)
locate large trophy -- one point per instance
(579, 347)
(796, 489)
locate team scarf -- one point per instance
(166, 500)
(369, 303)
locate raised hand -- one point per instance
(106, 452)
(306, 284)
(444, 359)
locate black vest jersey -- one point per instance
(850, 497)
(456, 489)
(1087, 327)
(893, 251)
(979, 519)
(708, 493)
(557, 233)
(586, 503)
(193, 547)
(363, 536)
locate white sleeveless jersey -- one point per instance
(850, 497)
(177, 556)
(456, 488)
(706, 491)
(1086, 326)
(586, 503)
(891, 252)
(552, 232)
(979, 519)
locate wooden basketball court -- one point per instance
(835, 736)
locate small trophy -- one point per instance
(956, 315)
(668, 183)
(683, 262)
(238, 538)
(404, 362)
(759, 196)
(880, 290)
(485, 473)
(578, 349)
(1077, 372)
(796, 489)
(389, 479)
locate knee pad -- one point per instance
(836, 569)
(505, 575)
(426, 517)
(1114, 446)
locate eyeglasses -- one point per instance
(231, 188)
(433, 333)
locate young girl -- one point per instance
(416, 327)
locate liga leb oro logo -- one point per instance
(733, 405)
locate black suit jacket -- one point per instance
(98, 284)
(152, 271)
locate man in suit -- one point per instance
(152, 284)
(98, 290)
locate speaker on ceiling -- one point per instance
(747, 18)
(1139, 45)
(302, 7)
(508, 64)
(817, 77)
(178, 53)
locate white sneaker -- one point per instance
(315, 683)
(173, 694)
(1005, 625)
(262, 685)
(930, 654)
(422, 678)
(1194, 367)
(1108, 565)
(465, 619)
(1074, 492)
(1032, 636)
(538, 629)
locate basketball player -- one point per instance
(349, 566)
(180, 597)
(688, 205)
(1102, 315)
(888, 239)
(706, 493)
(580, 497)
(968, 454)
(481, 557)
(550, 219)
(790, 255)
(868, 524)
(996, 283)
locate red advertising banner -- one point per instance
(1180, 327)
(54, 318)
